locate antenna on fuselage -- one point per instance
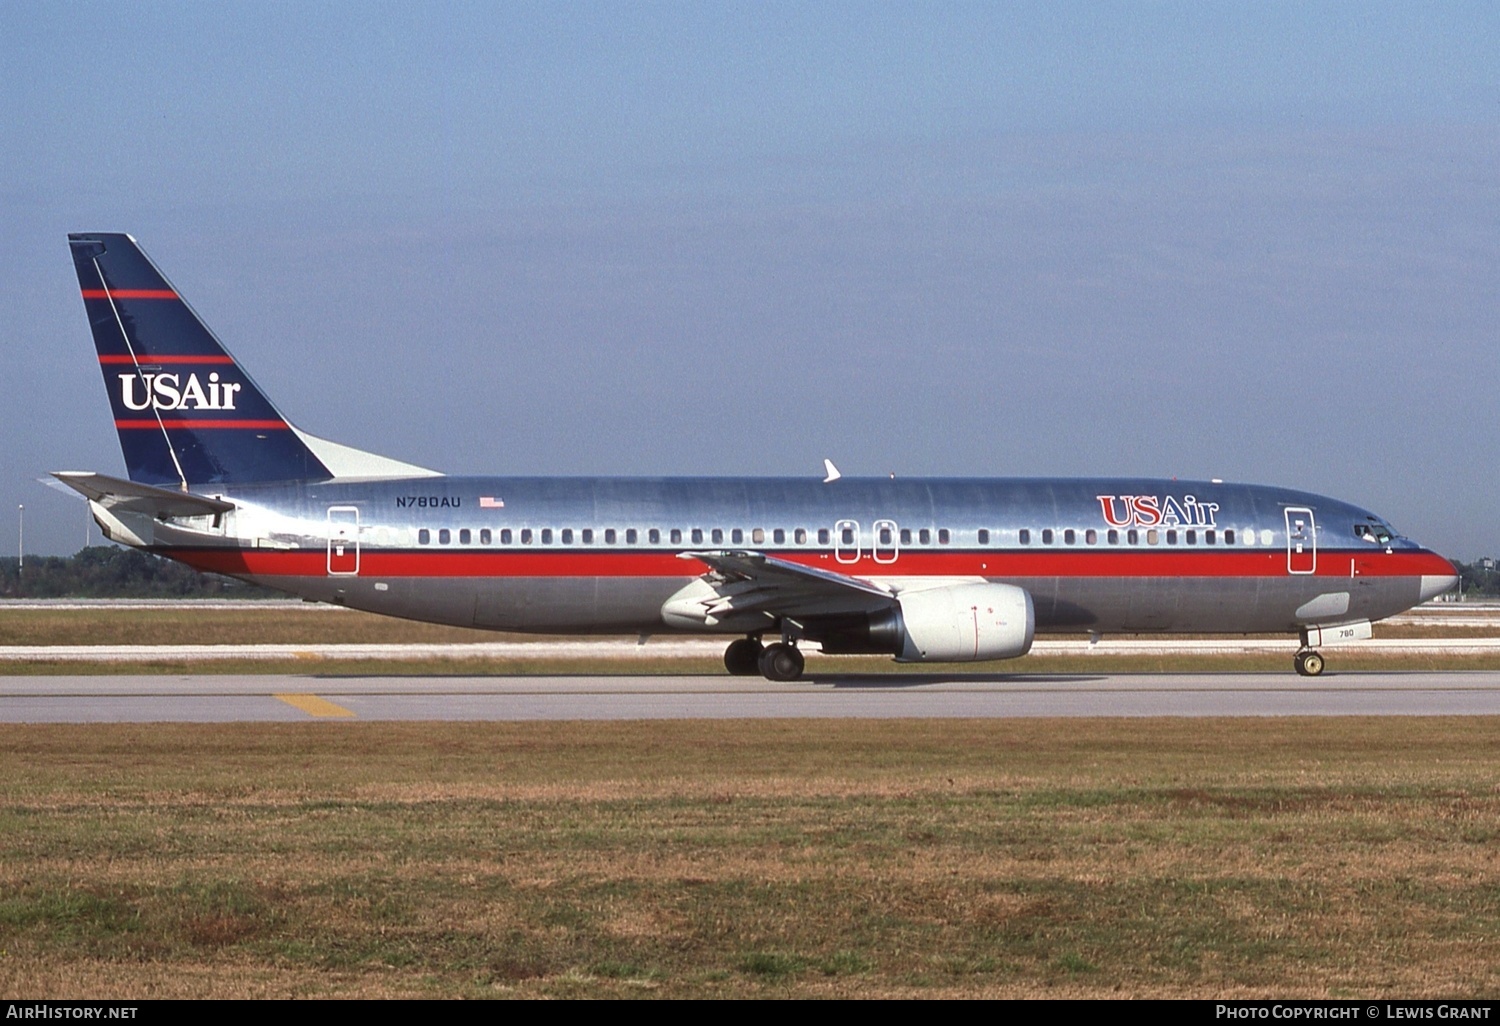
(831, 471)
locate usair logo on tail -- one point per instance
(170, 392)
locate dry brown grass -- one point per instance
(1328, 857)
(315, 625)
(241, 625)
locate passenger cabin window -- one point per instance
(654, 536)
(1091, 537)
(778, 536)
(823, 536)
(630, 536)
(464, 536)
(587, 536)
(718, 536)
(905, 536)
(1046, 536)
(697, 536)
(885, 536)
(1025, 536)
(1208, 537)
(676, 536)
(567, 536)
(1228, 536)
(1153, 536)
(801, 536)
(1171, 537)
(485, 538)
(1133, 537)
(505, 536)
(943, 536)
(736, 537)
(1192, 537)
(924, 536)
(424, 537)
(846, 536)
(444, 536)
(609, 536)
(1114, 537)
(1069, 537)
(984, 536)
(546, 536)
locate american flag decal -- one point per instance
(490, 502)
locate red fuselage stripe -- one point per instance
(202, 425)
(129, 294)
(455, 562)
(151, 359)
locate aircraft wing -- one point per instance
(741, 583)
(131, 496)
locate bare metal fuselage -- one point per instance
(604, 554)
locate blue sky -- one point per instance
(1252, 241)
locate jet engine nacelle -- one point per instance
(958, 623)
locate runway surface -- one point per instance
(292, 698)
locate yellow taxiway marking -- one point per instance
(314, 706)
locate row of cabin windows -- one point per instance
(1152, 536)
(847, 536)
(654, 536)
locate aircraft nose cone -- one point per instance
(1434, 585)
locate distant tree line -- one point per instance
(1478, 582)
(108, 571)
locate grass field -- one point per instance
(314, 625)
(1327, 857)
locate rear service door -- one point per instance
(343, 540)
(1301, 541)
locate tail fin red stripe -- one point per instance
(202, 425)
(154, 358)
(129, 294)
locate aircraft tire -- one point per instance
(1308, 664)
(781, 662)
(742, 657)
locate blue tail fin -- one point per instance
(187, 414)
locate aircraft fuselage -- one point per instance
(602, 554)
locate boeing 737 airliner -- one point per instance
(925, 570)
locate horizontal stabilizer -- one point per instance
(118, 494)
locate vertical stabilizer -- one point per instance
(186, 413)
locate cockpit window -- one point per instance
(1374, 531)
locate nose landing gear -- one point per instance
(1308, 663)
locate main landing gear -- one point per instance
(1308, 663)
(742, 657)
(778, 662)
